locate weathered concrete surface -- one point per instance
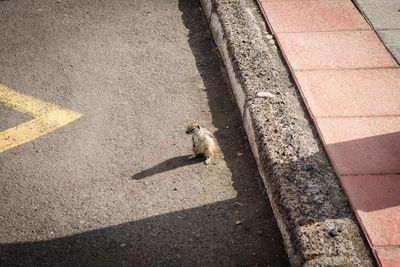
(317, 224)
(384, 17)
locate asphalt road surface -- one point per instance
(114, 187)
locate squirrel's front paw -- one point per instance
(192, 156)
(207, 161)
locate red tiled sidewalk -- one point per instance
(351, 87)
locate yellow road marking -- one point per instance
(48, 117)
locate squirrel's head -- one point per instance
(193, 128)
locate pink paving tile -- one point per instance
(318, 15)
(376, 201)
(334, 50)
(340, 93)
(388, 257)
(368, 145)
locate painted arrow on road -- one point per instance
(47, 118)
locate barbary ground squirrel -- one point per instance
(203, 142)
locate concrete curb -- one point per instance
(311, 209)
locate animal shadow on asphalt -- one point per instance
(168, 165)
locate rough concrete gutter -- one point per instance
(312, 211)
